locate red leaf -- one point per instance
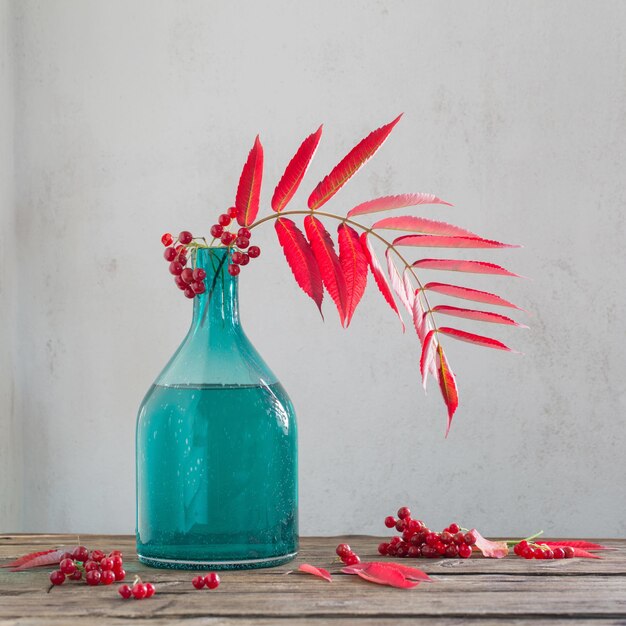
(37, 559)
(442, 241)
(249, 188)
(349, 165)
(327, 262)
(447, 384)
(470, 294)
(472, 267)
(490, 549)
(295, 171)
(27, 557)
(584, 545)
(382, 576)
(379, 277)
(480, 316)
(412, 573)
(422, 225)
(398, 284)
(478, 340)
(316, 571)
(584, 554)
(387, 203)
(300, 259)
(354, 267)
(428, 354)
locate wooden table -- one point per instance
(474, 591)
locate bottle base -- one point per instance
(216, 565)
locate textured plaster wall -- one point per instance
(133, 118)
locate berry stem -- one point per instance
(512, 542)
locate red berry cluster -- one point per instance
(528, 550)
(139, 590)
(211, 581)
(239, 241)
(418, 540)
(347, 555)
(190, 281)
(98, 567)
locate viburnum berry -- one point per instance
(199, 274)
(390, 521)
(227, 238)
(180, 283)
(80, 554)
(413, 552)
(402, 549)
(465, 551)
(139, 591)
(453, 529)
(150, 589)
(176, 269)
(124, 591)
(106, 563)
(117, 560)
(233, 270)
(342, 549)
(198, 287)
(76, 575)
(232, 212)
(91, 565)
(351, 559)
(470, 538)
(224, 219)
(185, 237)
(404, 512)
(198, 582)
(242, 242)
(97, 555)
(67, 566)
(167, 239)
(245, 259)
(217, 230)
(452, 550)
(187, 275)
(569, 552)
(254, 251)
(400, 525)
(236, 258)
(212, 580)
(92, 577)
(107, 577)
(57, 577)
(383, 548)
(445, 537)
(190, 293)
(244, 232)
(120, 573)
(559, 553)
(169, 254)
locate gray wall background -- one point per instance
(121, 120)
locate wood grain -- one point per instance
(478, 590)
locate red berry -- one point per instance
(169, 254)
(464, 551)
(236, 258)
(415, 525)
(198, 287)
(227, 238)
(234, 270)
(185, 237)
(91, 565)
(97, 555)
(446, 537)
(150, 590)
(351, 559)
(395, 541)
(242, 242)
(382, 548)
(117, 560)
(189, 293)
(402, 550)
(167, 239)
(244, 232)
(342, 549)
(391, 550)
(416, 539)
(65, 555)
(428, 551)
(93, 577)
(180, 283)
(569, 552)
(245, 259)
(390, 521)
(217, 230)
(517, 549)
(548, 554)
(107, 563)
(120, 573)
(124, 591)
(232, 211)
(413, 552)
(187, 275)
(538, 553)
(80, 554)
(452, 551)
(224, 219)
(470, 538)
(527, 552)
(400, 525)
(440, 547)
(57, 577)
(107, 577)
(453, 528)
(77, 575)
(212, 580)
(182, 259)
(254, 251)
(67, 566)
(404, 512)
(431, 539)
(139, 591)
(199, 274)
(559, 553)
(198, 582)
(176, 269)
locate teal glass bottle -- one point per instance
(216, 446)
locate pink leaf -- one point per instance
(421, 225)
(398, 284)
(249, 188)
(469, 294)
(316, 571)
(379, 276)
(455, 265)
(27, 557)
(327, 262)
(349, 165)
(442, 241)
(382, 576)
(387, 203)
(478, 340)
(428, 355)
(490, 549)
(300, 259)
(295, 171)
(37, 559)
(412, 573)
(583, 545)
(480, 316)
(354, 265)
(447, 384)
